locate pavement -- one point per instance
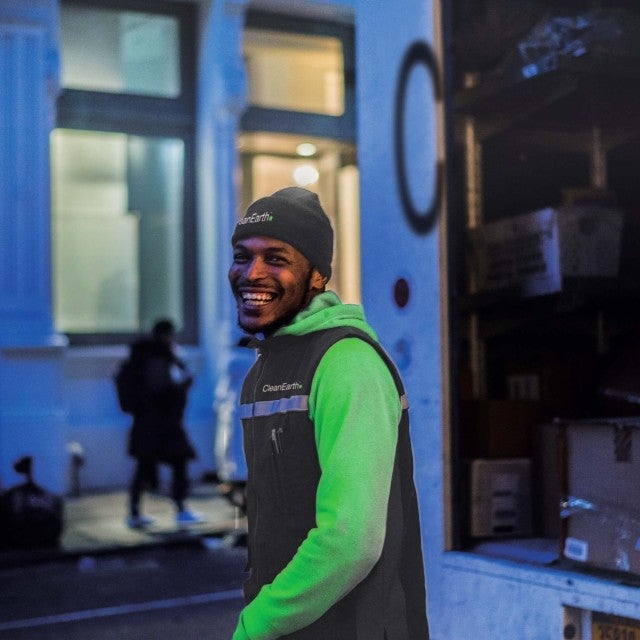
(95, 523)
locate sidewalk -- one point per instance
(94, 523)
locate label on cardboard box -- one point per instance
(576, 549)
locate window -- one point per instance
(122, 52)
(301, 76)
(122, 171)
(296, 72)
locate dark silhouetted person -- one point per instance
(153, 385)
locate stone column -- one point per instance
(28, 77)
(31, 408)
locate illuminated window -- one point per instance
(117, 230)
(296, 72)
(120, 51)
(122, 171)
(300, 76)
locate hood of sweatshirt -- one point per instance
(327, 311)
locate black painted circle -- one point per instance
(419, 53)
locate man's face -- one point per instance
(271, 282)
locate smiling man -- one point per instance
(334, 540)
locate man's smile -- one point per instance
(256, 298)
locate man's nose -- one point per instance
(256, 269)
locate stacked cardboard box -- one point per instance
(533, 252)
(501, 497)
(602, 504)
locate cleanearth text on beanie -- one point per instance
(295, 216)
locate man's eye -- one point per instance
(276, 260)
(239, 258)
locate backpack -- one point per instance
(127, 381)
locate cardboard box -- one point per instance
(497, 428)
(603, 538)
(533, 252)
(602, 488)
(500, 497)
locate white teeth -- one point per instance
(257, 297)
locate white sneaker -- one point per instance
(139, 522)
(189, 517)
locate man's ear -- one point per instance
(318, 281)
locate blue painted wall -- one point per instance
(400, 239)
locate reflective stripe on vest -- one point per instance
(264, 408)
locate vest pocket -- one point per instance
(276, 438)
(293, 471)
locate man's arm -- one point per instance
(355, 408)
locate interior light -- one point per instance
(306, 149)
(305, 174)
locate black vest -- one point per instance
(283, 475)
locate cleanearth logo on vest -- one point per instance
(257, 217)
(284, 386)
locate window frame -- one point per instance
(172, 118)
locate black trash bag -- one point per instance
(32, 517)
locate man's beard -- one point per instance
(270, 329)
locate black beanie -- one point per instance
(295, 216)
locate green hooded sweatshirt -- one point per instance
(352, 390)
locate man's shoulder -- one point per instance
(356, 351)
(342, 335)
(353, 344)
